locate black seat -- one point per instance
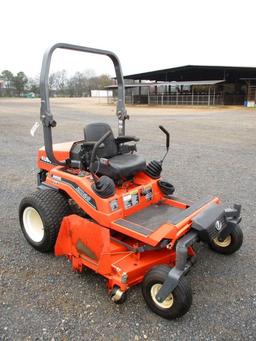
(111, 161)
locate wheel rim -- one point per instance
(167, 303)
(224, 243)
(118, 295)
(33, 224)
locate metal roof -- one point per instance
(196, 73)
(174, 84)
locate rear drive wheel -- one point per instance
(40, 215)
(176, 304)
(230, 244)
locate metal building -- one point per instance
(193, 85)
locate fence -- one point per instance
(186, 99)
(174, 99)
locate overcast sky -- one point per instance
(146, 35)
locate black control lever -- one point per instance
(93, 157)
(167, 134)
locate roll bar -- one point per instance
(45, 111)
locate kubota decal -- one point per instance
(79, 191)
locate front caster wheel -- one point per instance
(118, 296)
(230, 244)
(176, 304)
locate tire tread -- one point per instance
(52, 207)
(183, 291)
(236, 242)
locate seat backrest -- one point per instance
(94, 131)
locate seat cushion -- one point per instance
(125, 165)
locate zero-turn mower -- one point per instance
(103, 207)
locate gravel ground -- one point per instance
(212, 152)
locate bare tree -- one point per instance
(33, 85)
(58, 82)
(78, 85)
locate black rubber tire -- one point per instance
(123, 297)
(236, 242)
(52, 207)
(122, 300)
(182, 294)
